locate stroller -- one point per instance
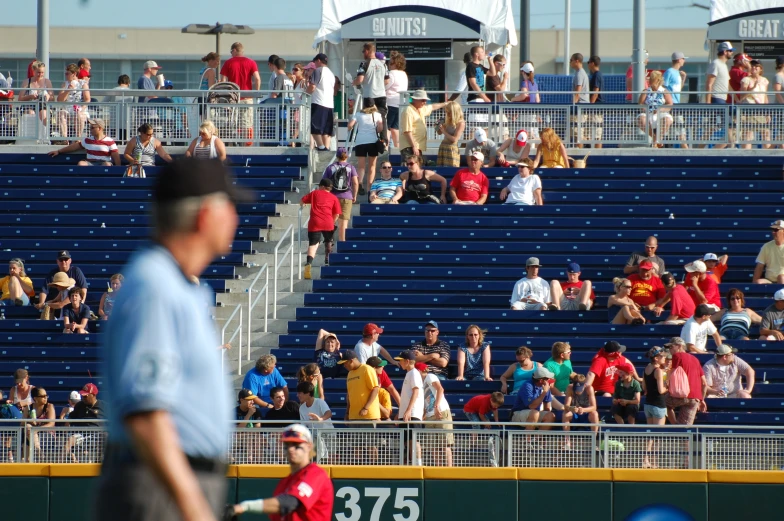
(233, 123)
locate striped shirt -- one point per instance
(385, 188)
(99, 149)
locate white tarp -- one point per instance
(497, 24)
(725, 8)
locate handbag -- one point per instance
(138, 171)
(381, 144)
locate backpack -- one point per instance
(340, 179)
(10, 412)
(679, 383)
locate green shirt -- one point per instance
(626, 393)
(561, 372)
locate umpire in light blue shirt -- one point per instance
(169, 405)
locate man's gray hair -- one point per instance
(266, 362)
(180, 216)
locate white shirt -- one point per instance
(412, 381)
(366, 127)
(697, 334)
(398, 82)
(537, 289)
(430, 397)
(365, 351)
(324, 80)
(462, 86)
(521, 189)
(319, 408)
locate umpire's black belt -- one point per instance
(121, 455)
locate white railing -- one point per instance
(237, 331)
(289, 252)
(252, 302)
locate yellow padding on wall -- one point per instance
(660, 476)
(75, 470)
(263, 471)
(231, 471)
(388, 472)
(775, 477)
(550, 474)
(24, 469)
(476, 473)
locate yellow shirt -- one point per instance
(385, 400)
(552, 158)
(772, 257)
(4, 286)
(413, 120)
(360, 383)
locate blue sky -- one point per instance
(660, 14)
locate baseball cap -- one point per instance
(696, 266)
(614, 347)
(151, 65)
(573, 267)
(779, 295)
(75, 396)
(678, 55)
(191, 177)
(480, 135)
(777, 225)
(296, 434)
(675, 341)
(97, 121)
(63, 254)
(479, 155)
(309, 67)
(646, 265)
(532, 261)
(710, 257)
(348, 354)
(370, 329)
(89, 389)
(375, 361)
(626, 368)
(380, 56)
(528, 68)
(703, 310)
(432, 323)
(725, 349)
(521, 138)
(779, 61)
(321, 57)
(245, 394)
(542, 372)
(406, 355)
(341, 151)
(725, 46)
(742, 57)
(655, 351)
(420, 366)
(168, 84)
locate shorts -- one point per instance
(322, 121)
(315, 237)
(625, 411)
(733, 333)
(246, 114)
(393, 118)
(572, 304)
(24, 300)
(474, 418)
(445, 423)
(651, 411)
(521, 416)
(366, 150)
(687, 409)
(521, 306)
(345, 209)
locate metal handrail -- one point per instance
(300, 224)
(289, 250)
(237, 331)
(264, 290)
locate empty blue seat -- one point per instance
(632, 208)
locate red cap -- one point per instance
(626, 368)
(370, 329)
(646, 265)
(420, 366)
(89, 389)
(742, 57)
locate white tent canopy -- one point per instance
(725, 8)
(497, 24)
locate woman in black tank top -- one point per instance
(655, 397)
(417, 184)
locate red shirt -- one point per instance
(479, 405)
(630, 74)
(736, 75)
(691, 364)
(646, 292)
(681, 302)
(605, 370)
(469, 186)
(315, 492)
(324, 206)
(572, 289)
(383, 380)
(710, 289)
(239, 70)
(82, 74)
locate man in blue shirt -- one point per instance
(596, 85)
(168, 402)
(262, 379)
(673, 77)
(63, 265)
(533, 395)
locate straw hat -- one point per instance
(62, 280)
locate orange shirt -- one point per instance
(718, 272)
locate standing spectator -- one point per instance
(76, 93)
(328, 354)
(476, 75)
(629, 76)
(603, 372)
(483, 408)
(737, 319)
(773, 319)
(418, 183)
(370, 127)
(770, 261)
(123, 96)
(647, 289)
(654, 387)
(282, 409)
(551, 153)
(581, 88)
(64, 265)
(741, 69)
(621, 307)
(649, 254)
(282, 82)
(698, 387)
(101, 150)
(517, 150)
(473, 356)
(481, 143)
(500, 82)
(145, 81)
(702, 289)
(656, 120)
(433, 351)
(696, 330)
(718, 76)
(17, 288)
(470, 185)
(89, 407)
(75, 315)
(756, 84)
(723, 374)
(246, 410)
(524, 188)
(682, 305)
(208, 145)
(574, 294)
(274, 71)
(595, 86)
(531, 292)
(244, 72)
(345, 186)
(452, 129)
(262, 379)
(778, 83)
(533, 395)
(579, 405)
(84, 69)
(368, 346)
(361, 389)
(386, 386)
(529, 89)
(311, 373)
(398, 82)
(520, 371)
(673, 81)
(321, 86)
(324, 213)
(372, 75)
(437, 411)
(386, 190)
(461, 89)
(412, 398)
(209, 73)
(626, 398)
(560, 364)
(414, 127)
(312, 409)
(717, 266)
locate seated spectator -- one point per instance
(246, 410)
(723, 374)
(520, 371)
(17, 288)
(736, 321)
(621, 308)
(312, 409)
(579, 405)
(328, 354)
(20, 394)
(626, 398)
(208, 145)
(702, 289)
(437, 412)
(717, 266)
(89, 407)
(531, 292)
(551, 153)
(696, 330)
(141, 150)
(312, 374)
(535, 393)
(473, 356)
(770, 261)
(683, 305)
(368, 346)
(101, 150)
(107, 299)
(386, 189)
(637, 257)
(384, 382)
(529, 88)
(345, 186)
(282, 407)
(54, 308)
(517, 149)
(656, 99)
(647, 289)
(603, 372)
(485, 146)
(73, 276)
(655, 389)
(75, 315)
(773, 319)
(483, 408)
(418, 184)
(560, 364)
(262, 378)
(574, 294)
(524, 188)
(433, 351)
(470, 185)
(8, 440)
(73, 399)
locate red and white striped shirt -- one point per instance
(99, 149)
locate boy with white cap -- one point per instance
(773, 319)
(717, 266)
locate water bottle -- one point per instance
(672, 216)
(724, 391)
(252, 265)
(33, 415)
(2, 314)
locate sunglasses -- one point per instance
(407, 164)
(431, 330)
(295, 69)
(650, 247)
(388, 166)
(627, 287)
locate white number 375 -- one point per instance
(352, 497)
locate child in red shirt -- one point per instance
(479, 408)
(324, 212)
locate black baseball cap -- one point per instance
(63, 254)
(321, 57)
(703, 310)
(191, 177)
(614, 347)
(406, 355)
(245, 394)
(348, 354)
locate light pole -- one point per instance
(218, 29)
